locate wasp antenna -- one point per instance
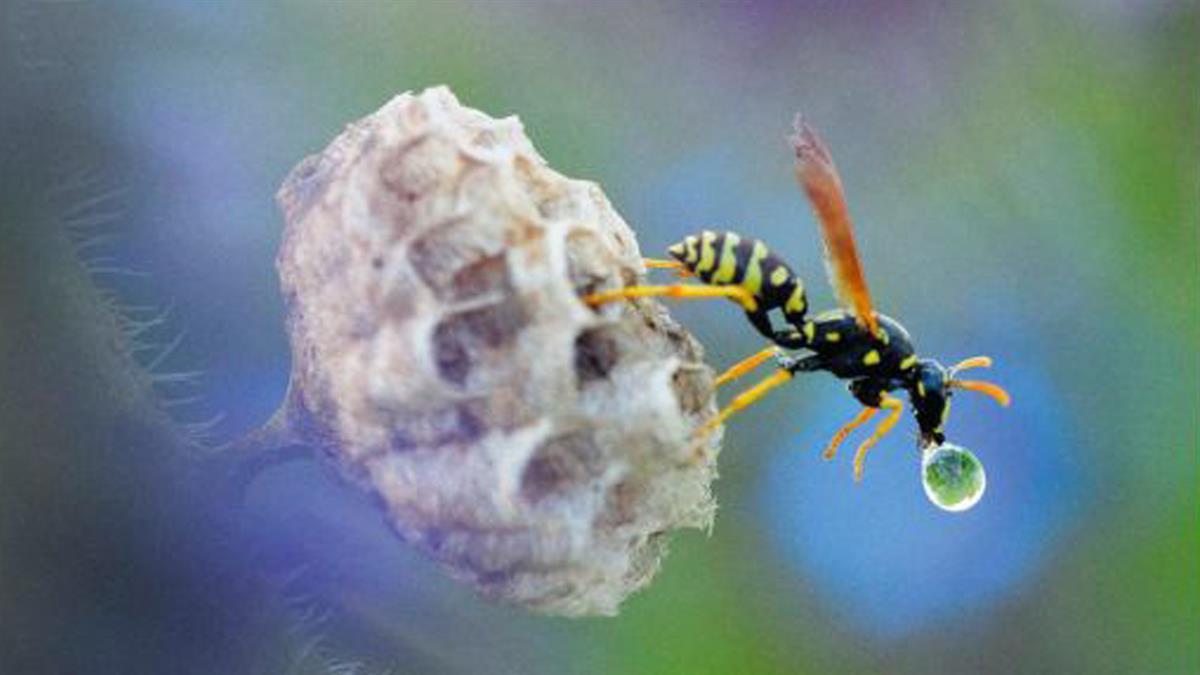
(993, 390)
(973, 362)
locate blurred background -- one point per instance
(1024, 179)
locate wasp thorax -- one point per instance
(953, 476)
(433, 266)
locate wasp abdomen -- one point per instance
(725, 258)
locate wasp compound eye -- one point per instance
(953, 477)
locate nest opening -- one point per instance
(458, 424)
(457, 264)
(597, 352)
(689, 390)
(561, 463)
(475, 331)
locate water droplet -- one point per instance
(953, 477)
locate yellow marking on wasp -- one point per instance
(752, 281)
(727, 265)
(707, 255)
(921, 388)
(908, 362)
(884, 337)
(795, 302)
(779, 276)
(871, 358)
(833, 336)
(676, 250)
(945, 416)
(810, 329)
(692, 255)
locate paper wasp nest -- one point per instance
(432, 266)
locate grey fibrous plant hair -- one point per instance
(65, 218)
(136, 346)
(88, 210)
(136, 382)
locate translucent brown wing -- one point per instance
(819, 179)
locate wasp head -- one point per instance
(931, 387)
(929, 392)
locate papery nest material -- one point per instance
(541, 449)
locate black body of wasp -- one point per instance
(873, 363)
(872, 351)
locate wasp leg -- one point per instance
(743, 400)
(788, 366)
(860, 419)
(681, 271)
(736, 293)
(659, 262)
(746, 365)
(800, 364)
(896, 406)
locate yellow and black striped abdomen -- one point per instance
(724, 258)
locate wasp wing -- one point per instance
(819, 179)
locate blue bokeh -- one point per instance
(889, 559)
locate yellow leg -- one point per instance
(743, 400)
(735, 293)
(680, 269)
(746, 365)
(659, 262)
(896, 406)
(860, 419)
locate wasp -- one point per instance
(871, 351)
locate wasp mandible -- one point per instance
(872, 351)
